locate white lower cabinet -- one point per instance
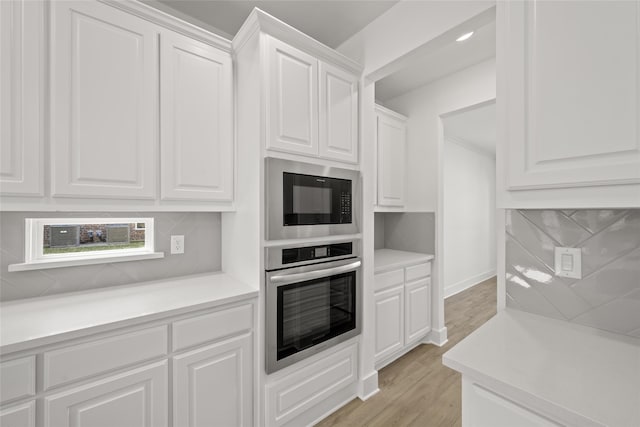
(417, 314)
(213, 385)
(133, 398)
(309, 393)
(483, 408)
(121, 377)
(23, 415)
(402, 301)
(389, 321)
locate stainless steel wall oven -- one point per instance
(313, 296)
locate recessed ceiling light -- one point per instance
(464, 36)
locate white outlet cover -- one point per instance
(568, 262)
(177, 244)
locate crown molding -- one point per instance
(170, 22)
(267, 24)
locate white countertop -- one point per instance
(578, 373)
(390, 259)
(37, 321)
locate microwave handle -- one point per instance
(315, 274)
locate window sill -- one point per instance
(102, 259)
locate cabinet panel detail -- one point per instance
(23, 415)
(104, 97)
(196, 120)
(213, 386)
(91, 358)
(18, 378)
(338, 114)
(293, 107)
(573, 78)
(389, 313)
(21, 89)
(136, 398)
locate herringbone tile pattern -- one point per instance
(608, 295)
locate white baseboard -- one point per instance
(368, 386)
(468, 283)
(437, 337)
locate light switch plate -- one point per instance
(568, 262)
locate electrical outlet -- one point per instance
(568, 262)
(177, 244)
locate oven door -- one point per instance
(309, 309)
(306, 200)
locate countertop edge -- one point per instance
(29, 343)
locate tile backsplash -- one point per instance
(202, 254)
(608, 295)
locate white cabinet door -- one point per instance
(292, 109)
(23, 415)
(104, 102)
(391, 140)
(196, 124)
(389, 312)
(338, 114)
(133, 398)
(213, 385)
(572, 88)
(417, 310)
(21, 88)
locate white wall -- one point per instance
(424, 106)
(469, 217)
(405, 27)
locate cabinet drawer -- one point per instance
(23, 415)
(18, 378)
(212, 326)
(388, 279)
(418, 271)
(301, 390)
(95, 357)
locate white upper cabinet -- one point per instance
(391, 140)
(104, 98)
(338, 114)
(196, 124)
(312, 104)
(21, 88)
(293, 100)
(570, 79)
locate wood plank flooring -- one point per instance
(417, 390)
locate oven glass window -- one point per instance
(312, 200)
(314, 311)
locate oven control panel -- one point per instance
(310, 253)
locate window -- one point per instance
(63, 242)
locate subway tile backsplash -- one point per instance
(608, 295)
(202, 254)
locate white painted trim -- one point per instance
(104, 259)
(286, 33)
(368, 386)
(384, 110)
(501, 293)
(468, 283)
(467, 145)
(436, 337)
(170, 22)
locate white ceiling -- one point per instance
(446, 57)
(328, 21)
(475, 128)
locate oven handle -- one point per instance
(310, 275)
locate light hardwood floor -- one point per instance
(417, 389)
